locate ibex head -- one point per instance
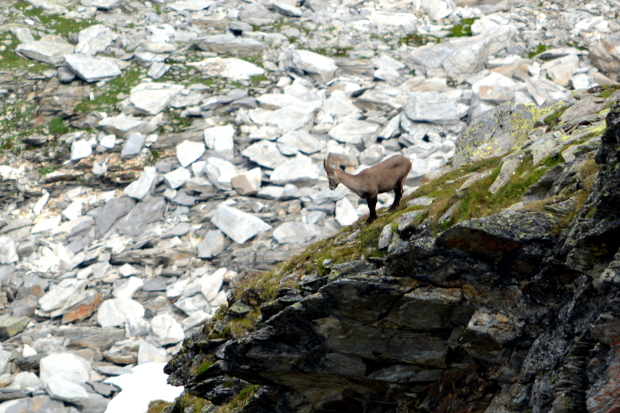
(331, 173)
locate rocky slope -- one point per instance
(154, 154)
(510, 312)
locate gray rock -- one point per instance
(95, 39)
(92, 69)
(604, 54)
(26, 380)
(60, 294)
(353, 131)
(295, 233)
(111, 212)
(150, 353)
(122, 125)
(189, 151)
(127, 287)
(385, 239)
(228, 68)
(220, 172)
(265, 153)
(157, 70)
(437, 9)
(195, 319)
(273, 101)
(133, 146)
(220, 139)
(177, 178)
(561, 70)
(463, 55)
(116, 311)
(149, 98)
(290, 118)
(421, 201)
(8, 253)
(166, 330)
(213, 243)
(298, 170)
(320, 67)
(434, 107)
(23, 34)
(285, 8)
(345, 212)
(66, 390)
(303, 141)
(247, 183)
(64, 366)
(102, 4)
(47, 52)
(238, 225)
(229, 44)
(5, 356)
(373, 154)
(65, 75)
(139, 188)
(137, 327)
(150, 210)
(108, 141)
(80, 149)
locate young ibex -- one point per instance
(383, 177)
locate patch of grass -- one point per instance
(109, 97)
(539, 49)
(241, 400)
(554, 118)
(44, 170)
(203, 367)
(153, 158)
(58, 127)
(609, 90)
(462, 29)
(257, 79)
(191, 404)
(11, 60)
(417, 39)
(15, 117)
(256, 59)
(61, 25)
(334, 51)
(157, 406)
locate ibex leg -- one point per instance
(372, 204)
(398, 194)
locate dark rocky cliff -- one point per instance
(515, 311)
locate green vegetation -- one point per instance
(609, 90)
(157, 406)
(109, 98)
(336, 51)
(203, 367)
(257, 79)
(462, 29)
(58, 127)
(15, 118)
(417, 39)
(241, 400)
(11, 60)
(54, 22)
(44, 170)
(539, 49)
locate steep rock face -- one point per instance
(509, 313)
